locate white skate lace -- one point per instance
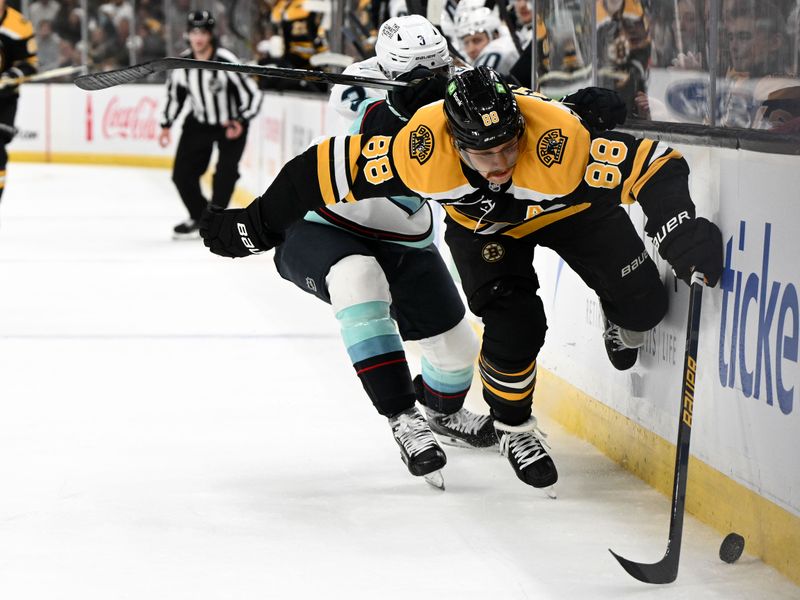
(525, 446)
(617, 336)
(612, 334)
(465, 421)
(413, 433)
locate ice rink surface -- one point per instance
(174, 425)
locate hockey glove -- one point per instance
(237, 232)
(694, 245)
(600, 109)
(409, 100)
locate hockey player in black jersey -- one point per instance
(512, 171)
(17, 59)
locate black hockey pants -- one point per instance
(501, 287)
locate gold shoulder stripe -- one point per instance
(324, 171)
(642, 152)
(653, 169)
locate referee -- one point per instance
(222, 104)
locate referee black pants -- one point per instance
(192, 159)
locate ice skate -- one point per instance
(522, 445)
(188, 230)
(418, 448)
(464, 428)
(622, 345)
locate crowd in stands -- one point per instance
(654, 53)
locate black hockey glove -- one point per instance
(237, 232)
(599, 108)
(409, 100)
(692, 245)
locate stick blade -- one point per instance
(663, 571)
(107, 79)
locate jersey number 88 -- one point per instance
(605, 172)
(377, 170)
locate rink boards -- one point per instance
(746, 443)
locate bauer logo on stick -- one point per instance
(421, 144)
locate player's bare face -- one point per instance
(474, 43)
(496, 165)
(200, 41)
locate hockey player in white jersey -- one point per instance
(375, 263)
(480, 35)
(404, 43)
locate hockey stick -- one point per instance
(666, 569)
(107, 79)
(43, 76)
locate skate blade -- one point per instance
(435, 479)
(550, 492)
(457, 443)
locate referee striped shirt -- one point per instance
(215, 96)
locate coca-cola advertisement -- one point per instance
(122, 117)
(123, 121)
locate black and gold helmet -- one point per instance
(481, 110)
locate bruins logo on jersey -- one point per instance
(421, 144)
(551, 146)
(493, 252)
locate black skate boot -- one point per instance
(188, 230)
(622, 345)
(524, 450)
(463, 428)
(418, 448)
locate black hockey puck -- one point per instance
(731, 548)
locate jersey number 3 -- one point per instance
(608, 154)
(377, 170)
